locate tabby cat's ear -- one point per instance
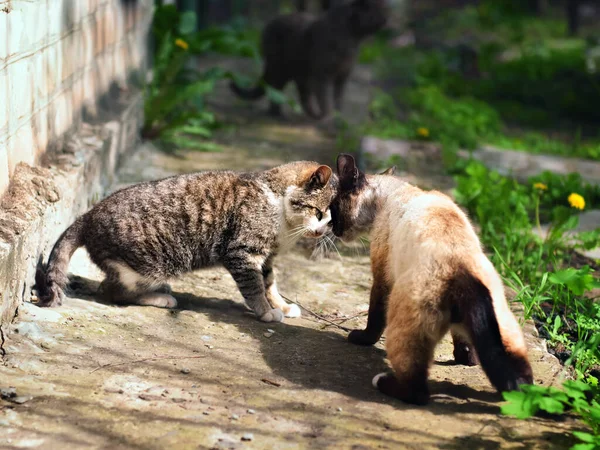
(320, 177)
(390, 171)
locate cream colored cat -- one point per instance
(429, 275)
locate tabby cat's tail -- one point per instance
(50, 281)
(505, 365)
(248, 93)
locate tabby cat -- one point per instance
(429, 275)
(145, 234)
(318, 54)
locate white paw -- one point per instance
(376, 378)
(157, 299)
(293, 311)
(274, 315)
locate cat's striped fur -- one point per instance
(145, 234)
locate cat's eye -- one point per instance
(319, 214)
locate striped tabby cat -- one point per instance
(145, 234)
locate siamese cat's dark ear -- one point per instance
(320, 177)
(346, 166)
(390, 171)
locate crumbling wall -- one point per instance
(58, 60)
(70, 108)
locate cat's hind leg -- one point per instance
(306, 98)
(412, 333)
(339, 86)
(123, 285)
(464, 353)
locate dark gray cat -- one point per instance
(318, 54)
(145, 234)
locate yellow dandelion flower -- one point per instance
(423, 132)
(182, 44)
(540, 186)
(576, 201)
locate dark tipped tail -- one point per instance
(505, 370)
(247, 93)
(50, 281)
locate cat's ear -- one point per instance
(390, 171)
(347, 170)
(320, 177)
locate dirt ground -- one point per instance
(209, 375)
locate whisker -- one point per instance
(333, 245)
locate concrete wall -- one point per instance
(58, 59)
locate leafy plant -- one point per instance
(175, 108)
(575, 396)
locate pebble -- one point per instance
(270, 331)
(267, 335)
(9, 392)
(247, 437)
(206, 338)
(251, 411)
(209, 346)
(21, 399)
(185, 370)
(339, 409)
(234, 417)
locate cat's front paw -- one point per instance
(362, 337)
(274, 315)
(292, 311)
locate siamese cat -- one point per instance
(430, 275)
(318, 54)
(145, 234)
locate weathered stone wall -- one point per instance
(58, 58)
(70, 109)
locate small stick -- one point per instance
(345, 319)
(272, 383)
(153, 358)
(318, 316)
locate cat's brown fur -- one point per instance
(318, 54)
(145, 234)
(430, 275)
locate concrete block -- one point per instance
(4, 104)
(3, 38)
(68, 49)
(39, 123)
(62, 112)
(4, 174)
(21, 148)
(39, 66)
(20, 84)
(54, 19)
(54, 67)
(99, 29)
(87, 41)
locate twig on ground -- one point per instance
(318, 316)
(152, 358)
(2, 342)
(341, 320)
(271, 382)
